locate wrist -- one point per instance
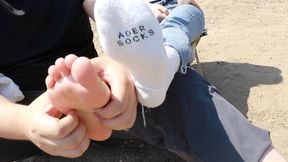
(12, 121)
(20, 121)
(25, 116)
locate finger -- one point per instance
(118, 101)
(124, 120)
(54, 113)
(161, 17)
(71, 141)
(121, 122)
(57, 129)
(75, 152)
(163, 10)
(112, 109)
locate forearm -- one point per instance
(12, 120)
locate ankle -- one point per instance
(174, 60)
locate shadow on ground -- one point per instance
(234, 80)
(116, 150)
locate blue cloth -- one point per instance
(198, 124)
(195, 121)
(180, 28)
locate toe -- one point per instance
(61, 67)
(54, 73)
(50, 82)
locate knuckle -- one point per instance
(78, 152)
(40, 145)
(123, 125)
(74, 143)
(53, 153)
(121, 109)
(60, 132)
(108, 113)
(129, 125)
(103, 113)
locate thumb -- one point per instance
(54, 113)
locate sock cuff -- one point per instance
(173, 60)
(150, 97)
(154, 96)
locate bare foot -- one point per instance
(73, 83)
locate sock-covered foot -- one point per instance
(129, 33)
(73, 83)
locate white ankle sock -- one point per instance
(129, 33)
(174, 61)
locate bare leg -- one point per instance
(73, 83)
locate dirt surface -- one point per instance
(245, 55)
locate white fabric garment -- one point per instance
(130, 33)
(9, 89)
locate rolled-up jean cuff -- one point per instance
(169, 4)
(180, 28)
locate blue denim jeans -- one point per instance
(180, 28)
(195, 122)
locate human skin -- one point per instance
(120, 112)
(73, 83)
(40, 123)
